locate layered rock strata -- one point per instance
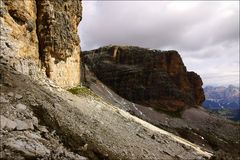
(18, 37)
(42, 36)
(57, 24)
(152, 78)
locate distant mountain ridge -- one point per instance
(223, 100)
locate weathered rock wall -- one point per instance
(41, 36)
(19, 43)
(152, 78)
(59, 43)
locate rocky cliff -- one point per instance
(57, 23)
(40, 120)
(41, 36)
(18, 36)
(152, 78)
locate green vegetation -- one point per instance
(82, 91)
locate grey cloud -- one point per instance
(206, 33)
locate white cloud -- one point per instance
(206, 34)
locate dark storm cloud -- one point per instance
(205, 33)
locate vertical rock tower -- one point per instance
(41, 35)
(57, 22)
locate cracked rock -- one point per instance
(7, 123)
(22, 125)
(27, 147)
(21, 107)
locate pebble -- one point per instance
(3, 100)
(7, 123)
(153, 136)
(18, 96)
(10, 94)
(57, 105)
(21, 107)
(35, 121)
(28, 93)
(43, 129)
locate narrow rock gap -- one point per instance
(19, 20)
(40, 43)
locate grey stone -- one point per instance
(68, 155)
(22, 125)
(3, 121)
(18, 96)
(27, 147)
(57, 105)
(28, 93)
(43, 129)
(10, 94)
(21, 107)
(3, 100)
(35, 121)
(7, 123)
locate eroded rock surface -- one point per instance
(195, 124)
(22, 134)
(57, 23)
(152, 78)
(19, 43)
(39, 37)
(85, 125)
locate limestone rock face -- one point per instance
(40, 36)
(19, 43)
(58, 40)
(196, 81)
(153, 78)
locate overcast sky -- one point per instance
(206, 34)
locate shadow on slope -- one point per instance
(195, 124)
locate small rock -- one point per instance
(85, 147)
(7, 123)
(33, 104)
(43, 129)
(18, 96)
(153, 136)
(188, 148)
(57, 105)
(165, 141)
(35, 121)
(30, 124)
(21, 107)
(28, 93)
(3, 100)
(28, 147)
(32, 135)
(10, 94)
(22, 125)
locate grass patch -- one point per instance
(82, 91)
